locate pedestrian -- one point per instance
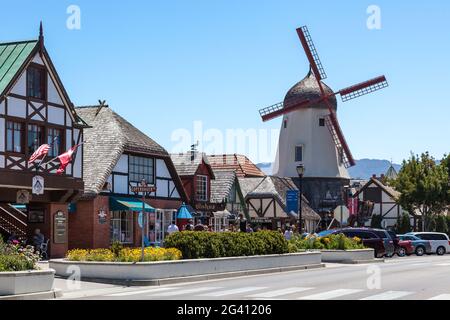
(288, 234)
(172, 228)
(190, 226)
(242, 224)
(248, 229)
(38, 239)
(12, 239)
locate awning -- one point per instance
(128, 204)
(184, 213)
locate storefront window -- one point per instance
(122, 226)
(202, 188)
(141, 168)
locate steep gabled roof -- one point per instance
(394, 194)
(187, 164)
(108, 137)
(13, 57)
(240, 163)
(221, 186)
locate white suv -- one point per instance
(440, 242)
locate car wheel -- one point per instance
(401, 252)
(420, 251)
(440, 251)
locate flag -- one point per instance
(65, 159)
(41, 152)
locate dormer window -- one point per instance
(36, 82)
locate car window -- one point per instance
(366, 235)
(382, 234)
(435, 236)
(425, 236)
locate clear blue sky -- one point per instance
(165, 64)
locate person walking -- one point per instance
(288, 234)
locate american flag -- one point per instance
(42, 151)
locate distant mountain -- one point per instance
(364, 168)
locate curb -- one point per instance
(160, 282)
(358, 261)
(54, 294)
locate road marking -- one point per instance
(443, 264)
(183, 292)
(277, 293)
(331, 294)
(389, 295)
(445, 297)
(232, 291)
(132, 293)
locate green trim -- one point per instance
(128, 204)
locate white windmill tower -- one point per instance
(311, 135)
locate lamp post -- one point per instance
(300, 172)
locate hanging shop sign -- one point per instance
(38, 185)
(23, 197)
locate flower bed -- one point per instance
(13, 257)
(331, 242)
(124, 255)
(198, 245)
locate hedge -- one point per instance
(197, 245)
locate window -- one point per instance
(202, 188)
(122, 226)
(285, 124)
(54, 139)
(36, 82)
(298, 153)
(14, 136)
(322, 122)
(141, 168)
(35, 137)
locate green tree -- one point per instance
(404, 224)
(377, 219)
(441, 224)
(423, 186)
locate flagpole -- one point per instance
(42, 160)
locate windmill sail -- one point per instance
(280, 109)
(311, 53)
(363, 88)
(339, 140)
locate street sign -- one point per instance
(292, 197)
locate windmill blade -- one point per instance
(280, 109)
(339, 140)
(363, 88)
(311, 53)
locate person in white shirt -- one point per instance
(172, 228)
(288, 234)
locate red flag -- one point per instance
(65, 159)
(42, 151)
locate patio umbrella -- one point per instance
(183, 213)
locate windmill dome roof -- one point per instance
(308, 89)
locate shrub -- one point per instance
(403, 224)
(331, 242)
(196, 245)
(377, 219)
(441, 224)
(16, 257)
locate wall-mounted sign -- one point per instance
(102, 216)
(36, 216)
(23, 197)
(38, 185)
(60, 228)
(202, 206)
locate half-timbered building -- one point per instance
(35, 109)
(119, 157)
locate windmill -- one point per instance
(346, 94)
(325, 154)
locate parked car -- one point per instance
(440, 242)
(400, 249)
(368, 237)
(405, 248)
(421, 247)
(389, 243)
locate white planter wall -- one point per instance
(26, 282)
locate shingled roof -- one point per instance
(108, 137)
(187, 164)
(276, 187)
(221, 186)
(240, 163)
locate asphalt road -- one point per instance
(411, 278)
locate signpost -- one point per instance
(292, 203)
(143, 188)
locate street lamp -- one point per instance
(300, 172)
